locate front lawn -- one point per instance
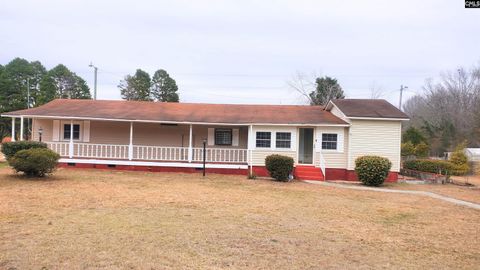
(81, 219)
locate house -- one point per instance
(323, 141)
(473, 154)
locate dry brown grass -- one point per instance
(466, 193)
(85, 219)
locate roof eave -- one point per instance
(173, 122)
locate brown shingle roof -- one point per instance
(182, 112)
(374, 108)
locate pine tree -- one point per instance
(164, 88)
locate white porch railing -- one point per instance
(322, 163)
(150, 153)
(89, 150)
(220, 155)
(145, 152)
(62, 148)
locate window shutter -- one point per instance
(86, 131)
(211, 136)
(56, 131)
(235, 135)
(340, 141)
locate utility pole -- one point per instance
(401, 94)
(28, 105)
(95, 80)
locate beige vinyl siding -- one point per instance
(47, 127)
(375, 137)
(258, 156)
(333, 159)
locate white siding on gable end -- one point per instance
(375, 137)
(338, 113)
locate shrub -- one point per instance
(429, 165)
(421, 150)
(459, 160)
(372, 170)
(279, 166)
(408, 149)
(9, 149)
(35, 161)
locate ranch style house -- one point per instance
(323, 141)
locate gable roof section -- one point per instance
(368, 108)
(182, 112)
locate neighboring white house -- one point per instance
(323, 141)
(473, 154)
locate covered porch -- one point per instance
(138, 142)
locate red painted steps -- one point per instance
(308, 173)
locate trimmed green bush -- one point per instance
(429, 165)
(35, 162)
(9, 149)
(372, 170)
(279, 166)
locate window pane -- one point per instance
(329, 141)
(76, 132)
(283, 139)
(263, 139)
(283, 144)
(263, 135)
(66, 131)
(223, 136)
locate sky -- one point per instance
(246, 51)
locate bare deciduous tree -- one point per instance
(303, 84)
(376, 90)
(449, 109)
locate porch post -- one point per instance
(21, 128)
(190, 150)
(13, 129)
(249, 148)
(70, 145)
(130, 145)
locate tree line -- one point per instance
(448, 112)
(26, 84)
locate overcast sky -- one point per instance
(246, 51)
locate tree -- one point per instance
(326, 90)
(136, 87)
(164, 88)
(60, 82)
(376, 91)
(317, 92)
(449, 110)
(413, 135)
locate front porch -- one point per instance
(143, 143)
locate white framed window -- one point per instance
(329, 141)
(263, 139)
(223, 136)
(65, 131)
(283, 140)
